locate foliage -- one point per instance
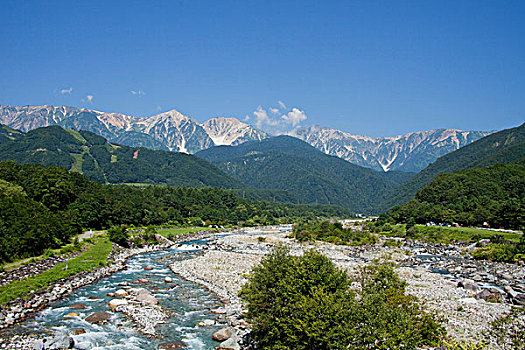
(306, 303)
(495, 195)
(58, 203)
(456, 345)
(331, 232)
(93, 257)
(119, 235)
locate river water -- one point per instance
(186, 304)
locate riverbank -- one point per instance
(224, 267)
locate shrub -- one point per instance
(307, 303)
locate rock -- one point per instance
(60, 342)
(98, 317)
(117, 302)
(489, 295)
(219, 311)
(148, 268)
(206, 323)
(83, 345)
(222, 334)
(230, 344)
(168, 280)
(147, 298)
(71, 314)
(469, 285)
(120, 293)
(519, 299)
(78, 331)
(78, 306)
(173, 345)
(143, 280)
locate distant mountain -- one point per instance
(93, 156)
(506, 146)
(231, 131)
(411, 152)
(166, 131)
(289, 164)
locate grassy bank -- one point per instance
(93, 257)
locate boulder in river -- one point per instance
(222, 334)
(173, 345)
(78, 306)
(98, 317)
(117, 302)
(230, 344)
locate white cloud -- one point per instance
(274, 110)
(246, 118)
(66, 91)
(88, 99)
(282, 105)
(159, 108)
(294, 117)
(272, 123)
(140, 92)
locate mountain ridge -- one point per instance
(173, 131)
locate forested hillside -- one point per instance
(91, 155)
(43, 207)
(493, 195)
(289, 164)
(505, 147)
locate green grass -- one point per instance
(77, 165)
(447, 234)
(180, 231)
(94, 256)
(465, 234)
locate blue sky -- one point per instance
(377, 68)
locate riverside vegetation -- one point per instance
(45, 207)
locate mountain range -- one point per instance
(174, 131)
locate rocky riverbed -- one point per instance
(454, 292)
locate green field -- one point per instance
(447, 234)
(93, 257)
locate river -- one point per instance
(186, 304)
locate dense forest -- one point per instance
(289, 164)
(494, 195)
(43, 207)
(506, 146)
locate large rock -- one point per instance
(173, 345)
(469, 285)
(519, 299)
(60, 342)
(230, 344)
(147, 298)
(78, 306)
(117, 302)
(98, 317)
(490, 295)
(222, 334)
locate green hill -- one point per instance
(494, 194)
(505, 147)
(287, 163)
(91, 155)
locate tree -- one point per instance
(306, 303)
(119, 235)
